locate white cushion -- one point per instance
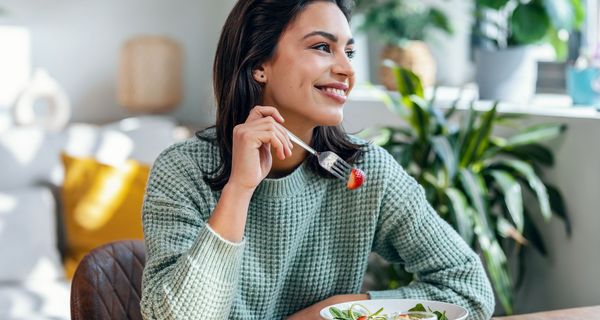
(28, 155)
(149, 135)
(139, 138)
(28, 244)
(35, 301)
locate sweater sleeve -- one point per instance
(191, 272)
(409, 231)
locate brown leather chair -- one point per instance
(107, 282)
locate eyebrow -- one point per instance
(327, 35)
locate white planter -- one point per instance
(508, 75)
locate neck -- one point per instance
(281, 168)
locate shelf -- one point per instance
(549, 105)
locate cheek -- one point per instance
(302, 72)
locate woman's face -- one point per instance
(310, 76)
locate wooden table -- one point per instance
(583, 313)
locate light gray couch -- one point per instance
(32, 280)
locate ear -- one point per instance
(259, 75)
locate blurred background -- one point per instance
(91, 92)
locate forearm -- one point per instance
(229, 216)
(186, 260)
(447, 269)
(208, 274)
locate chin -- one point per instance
(330, 120)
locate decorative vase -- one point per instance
(415, 56)
(150, 74)
(507, 75)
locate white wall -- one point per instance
(569, 277)
(78, 42)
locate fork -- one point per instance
(328, 160)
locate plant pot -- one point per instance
(414, 56)
(508, 75)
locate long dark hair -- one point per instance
(248, 39)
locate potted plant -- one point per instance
(504, 33)
(474, 179)
(403, 25)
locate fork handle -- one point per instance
(301, 143)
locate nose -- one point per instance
(343, 66)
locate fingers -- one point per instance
(259, 112)
(275, 131)
(265, 131)
(272, 138)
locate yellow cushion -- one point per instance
(101, 204)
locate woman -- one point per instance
(241, 224)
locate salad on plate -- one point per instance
(394, 309)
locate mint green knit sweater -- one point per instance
(307, 238)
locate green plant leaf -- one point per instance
(535, 183)
(408, 83)
(494, 4)
(532, 152)
(507, 230)
(537, 133)
(450, 112)
(561, 46)
(529, 22)
(481, 137)
(532, 233)
(495, 262)
(558, 206)
(476, 191)
(579, 10)
(442, 147)
(420, 117)
(462, 213)
(465, 136)
(513, 197)
(439, 19)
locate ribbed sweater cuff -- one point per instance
(386, 294)
(220, 257)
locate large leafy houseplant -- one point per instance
(505, 34)
(474, 179)
(510, 23)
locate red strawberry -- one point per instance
(362, 317)
(356, 179)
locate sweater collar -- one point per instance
(292, 184)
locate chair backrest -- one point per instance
(107, 282)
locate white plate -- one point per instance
(453, 312)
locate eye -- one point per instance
(350, 53)
(322, 47)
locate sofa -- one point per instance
(34, 239)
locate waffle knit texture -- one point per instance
(307, 238)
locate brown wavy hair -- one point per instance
(248, 39)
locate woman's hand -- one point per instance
(312, 312)
(252, 143)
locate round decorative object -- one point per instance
(150, 74)
(415, 56)
(42, 86)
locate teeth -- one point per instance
(339, 92)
